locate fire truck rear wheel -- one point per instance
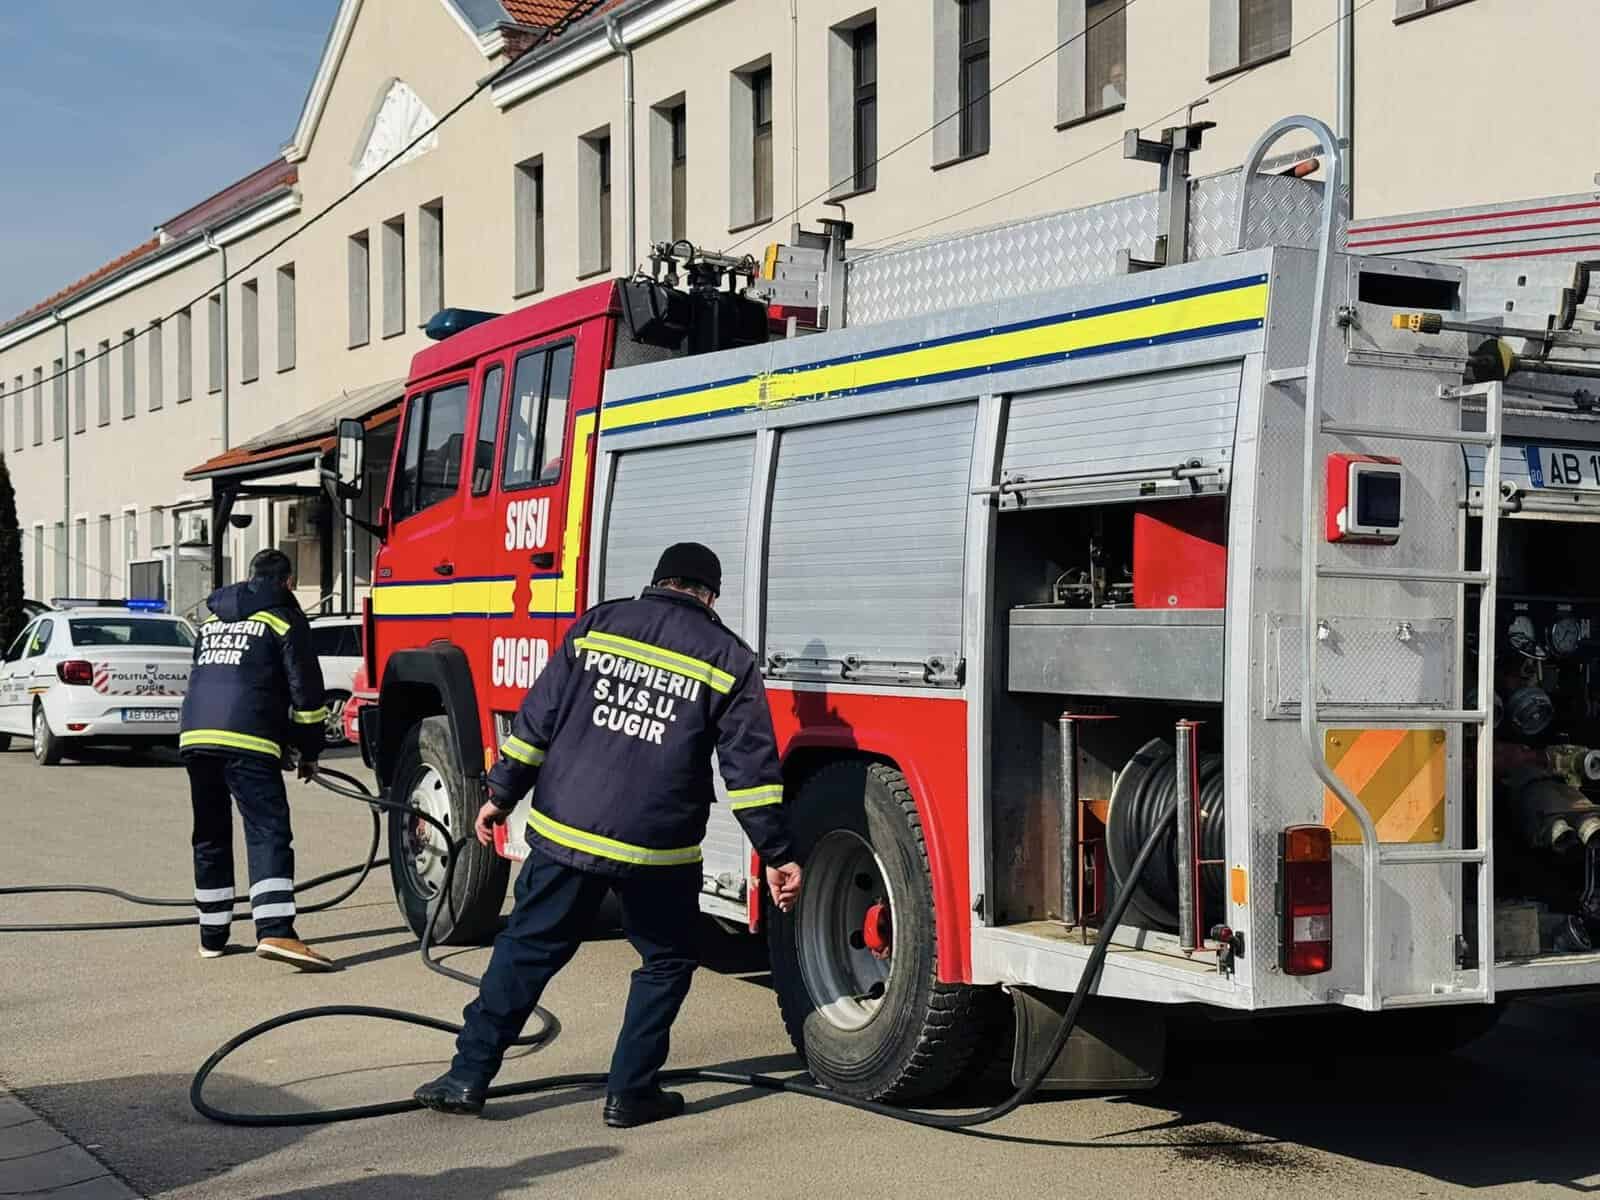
(428, 776)
(855, 964)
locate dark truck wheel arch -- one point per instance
(425, 682)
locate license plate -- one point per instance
(1563, 467)
(132, 715)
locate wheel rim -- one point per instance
(844, 930)
(39, 728)
(427, 852)
(333, 723)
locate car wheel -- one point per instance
(333, 723)
(854, 964)
(46, 745)
(5, 742)
(427, 776)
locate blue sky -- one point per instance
(122, 113)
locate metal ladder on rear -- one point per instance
(1375, 856)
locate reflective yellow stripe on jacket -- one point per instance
(756, 797)
(524, 752)
(309, 716)
(604, 847)
(228, 740)
(272, 621)
(658, 656)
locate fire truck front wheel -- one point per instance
(854, 965)
(427, 775)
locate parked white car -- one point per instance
(95, 675)
(336, 641)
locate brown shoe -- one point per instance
(294, 952)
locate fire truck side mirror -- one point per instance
(349, 461)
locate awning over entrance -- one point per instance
(302, 440)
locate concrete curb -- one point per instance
(38, 1160)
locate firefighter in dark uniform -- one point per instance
(618, 732)
(255, 691)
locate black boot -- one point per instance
(624, 1112)
(447, 1094)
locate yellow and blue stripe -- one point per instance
(1189, 314)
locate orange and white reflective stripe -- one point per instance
(1397, 774)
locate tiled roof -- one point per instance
(93, 277)
(545, 13)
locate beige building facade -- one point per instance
(921, 116)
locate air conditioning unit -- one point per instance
(194, 529)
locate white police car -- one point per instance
(100, 674)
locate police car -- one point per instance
(99, 673)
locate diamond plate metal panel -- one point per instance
(1069, 248)
(1374, 662)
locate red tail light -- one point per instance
(1307, 873)
(75, 670)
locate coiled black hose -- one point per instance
(551, 1027)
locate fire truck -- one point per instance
(1178, 509)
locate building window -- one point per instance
(130, 543)
(109, 579)
(392, 239)
(594, 231)
(58, 399)
(214, 345)
(864, 117)
(1247, 32)
(1405, 9)
(528, 198)
(249, 332)
(853, 105)
(1092, 67)
(63, 583)
(41, 586)
(669, 170)
(103, 377)
(130, 403)
(185, 356)
(80, 556)
(80, 391)
(430, 258)
(360, 273)
(750, 141)
(974, 77)
(17, 415)
(157, 366)
(38, 405)
(286, 317)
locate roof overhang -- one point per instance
(589, 44)
(301, 442)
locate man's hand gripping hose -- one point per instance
(345, 785)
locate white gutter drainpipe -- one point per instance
(1346, 100)
(614, 36)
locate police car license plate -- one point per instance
(1563, 467)
(132, 715)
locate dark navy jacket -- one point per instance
(619, 729)
(256, 686)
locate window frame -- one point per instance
(969, 52)
(678, 171)
(527, 186)
(548, 349)
(424, 395)
(498, 365)
(761, 145)
(863, 96)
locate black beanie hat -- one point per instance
(692, 562)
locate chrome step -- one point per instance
(1404, 574)
(1459, 438)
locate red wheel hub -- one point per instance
(877, 930)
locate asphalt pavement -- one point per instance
(102, 1033)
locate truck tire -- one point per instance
(427, 775)
(46, 745)
(880, 1028)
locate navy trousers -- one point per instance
(256, 785)
(555, 906)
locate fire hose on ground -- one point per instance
(550, 1027)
